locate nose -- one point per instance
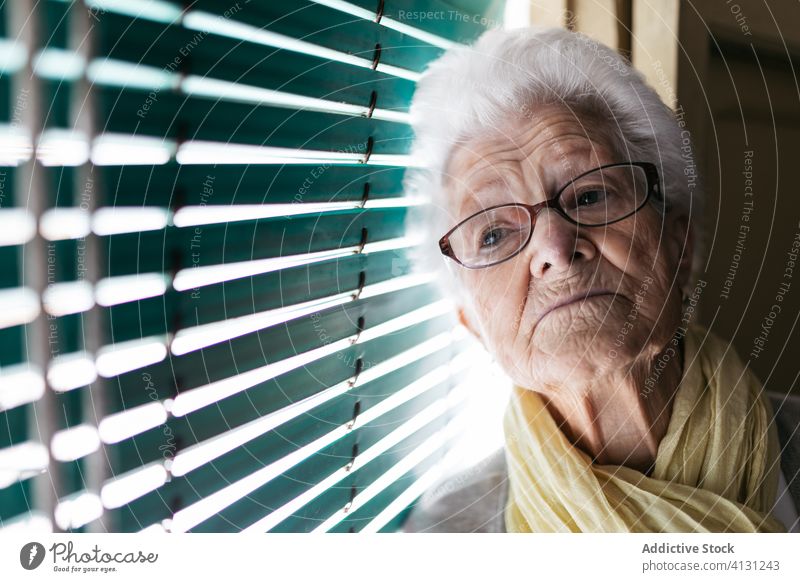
(556, 246)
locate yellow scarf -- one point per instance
(716, 467)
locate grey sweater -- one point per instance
(474, 499)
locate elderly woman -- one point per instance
(566, 210)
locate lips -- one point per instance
(573, 299)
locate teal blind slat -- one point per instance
(246, 353)
(330, 28)
(308, 21)
(230, 59)
(319, 510)
(171, 184)
(164, 314)
(459, 20)
(232, 284)
(171, 249)
(13, 351)
(175, 116)
(14, 427)
(15, 500)
(299, 284)
(5, 97)
(361, 517)
(239, 297)
(9, 256)
(55, 24)
(242, 513)
(262, 397)
(245, 296)
(237, 464)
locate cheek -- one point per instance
(633, 245)
(499, 297)
(653, 256)
(647, 269)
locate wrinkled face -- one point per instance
(531, 312)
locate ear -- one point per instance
(466, 322)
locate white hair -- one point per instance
(471, 90)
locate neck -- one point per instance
(621, 417)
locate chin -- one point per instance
(586, 348)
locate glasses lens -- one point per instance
(605, 195)
(492, 236)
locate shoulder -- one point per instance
(471, 500)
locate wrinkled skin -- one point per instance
(571, 354)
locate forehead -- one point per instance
(552, 144)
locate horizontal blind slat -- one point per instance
(373, 472)
(241, 464)
(171, 249)
(245, 352)
(461, 21)
(15, 500)
(339, 38)
(419, 412)
(197, 425)
(172, 116)
(307, 511)
(237, 60)
(237, 184)
(383, 480)
(59, 224)
(333, 402)
(333, 29)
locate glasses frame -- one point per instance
(653, 190)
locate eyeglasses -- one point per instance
(598, 197)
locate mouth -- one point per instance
(575, 299)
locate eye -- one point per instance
(589, 197)
(492, 236)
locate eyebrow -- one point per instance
(579, 166)
(474, 194)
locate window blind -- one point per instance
(209, 320)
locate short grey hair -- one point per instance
(470, 90)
